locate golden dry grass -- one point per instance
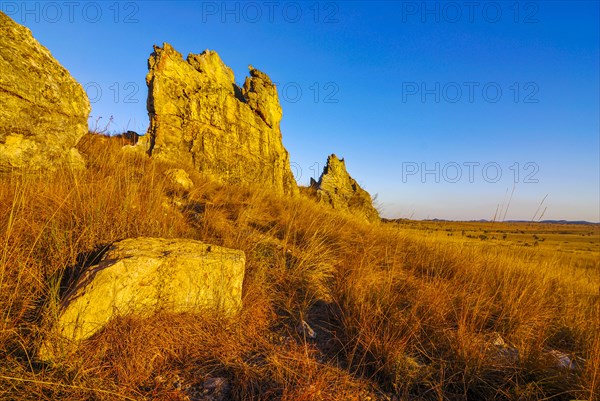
(398, 312)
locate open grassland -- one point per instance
(567, 250)
(409, 310)
(555, 237)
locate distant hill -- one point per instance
(565, 222)
(583, 222)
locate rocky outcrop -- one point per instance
(43, 110)
(143, 276)
(200, 117)
(336, 188)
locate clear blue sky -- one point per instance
(395, 88)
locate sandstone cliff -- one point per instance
(199, 116)
(43, 110)
(337, 188)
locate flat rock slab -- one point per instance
(143, 276)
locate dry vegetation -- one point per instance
(399, 312)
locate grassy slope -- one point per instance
(396, 312)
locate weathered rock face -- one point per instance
(43, 110)
(199, 116)
(342, 192)
(143, 276)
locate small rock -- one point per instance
(497, 340)
(139, 149)
(305, 331)
(129, 138)
(180, 179)
(563, 360)
(509, 354)
(504, 352)
(212, 389)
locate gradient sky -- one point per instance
(396, 88)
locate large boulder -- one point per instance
(200, 117)
(339, 190)
(43, 110)
(143, 276)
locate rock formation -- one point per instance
(336, 188)
(43, 110)
(146, 275)
(199, 116)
